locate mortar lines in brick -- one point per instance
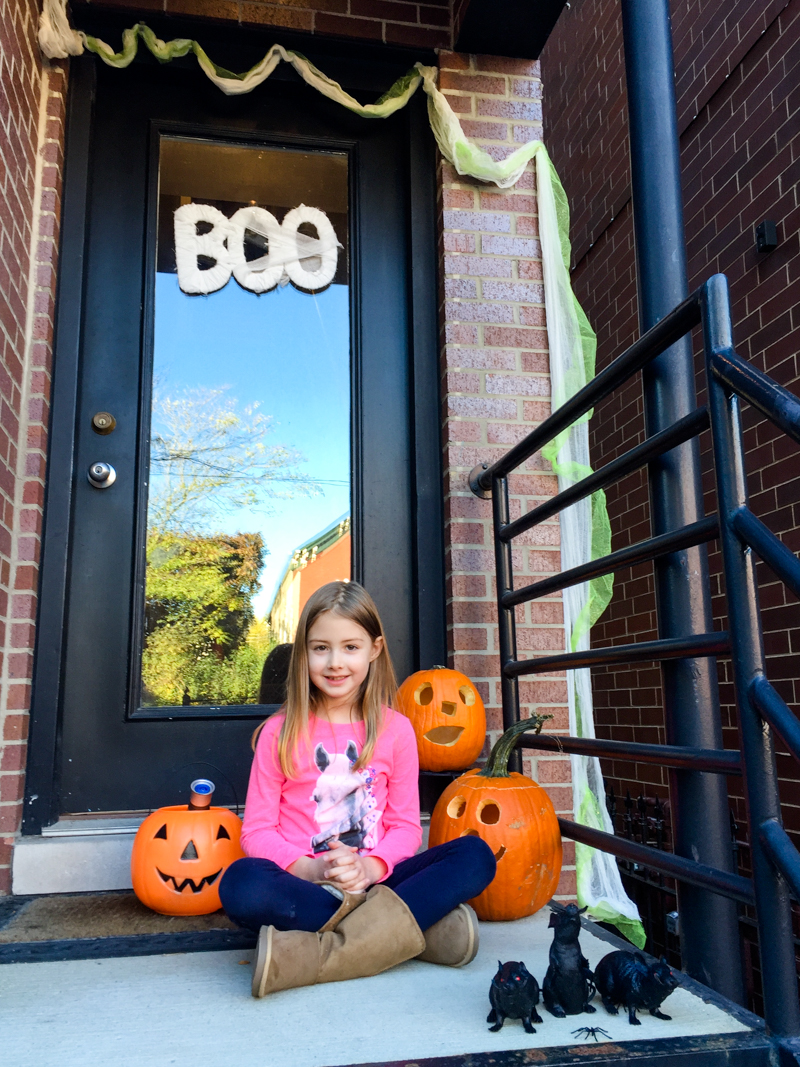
(496, 381)
(736, 78)
(420, 25)
(33, 365)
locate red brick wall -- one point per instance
(418, 25)
(31, 135)
(738, 69)
(496, 384)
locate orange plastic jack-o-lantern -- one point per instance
(448, 717)
(180, 853)
(516, 818)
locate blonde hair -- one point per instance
(351, 601)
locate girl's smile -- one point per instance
(339, 656)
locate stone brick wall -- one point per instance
(737, 66)
(31, 137)
(418, 25)
(496, 385)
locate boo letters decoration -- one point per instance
(210, 247)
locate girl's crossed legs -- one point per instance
(257, 892)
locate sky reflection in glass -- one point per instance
(288, 352)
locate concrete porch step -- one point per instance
(185, 1010)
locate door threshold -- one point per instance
(88, 853)
(84, 825)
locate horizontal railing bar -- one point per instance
(714, 761)
(781, 852)
(772, 400)
(774, 710)
(685, 870)
(657, 340)
(770, 548)
(682, 430)
(714, 644)
(695, 534)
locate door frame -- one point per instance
(375, 68)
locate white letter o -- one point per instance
(312, 280)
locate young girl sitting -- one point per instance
(332, 878)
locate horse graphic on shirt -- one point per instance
(345, 805)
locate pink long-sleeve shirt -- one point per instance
(375, 810)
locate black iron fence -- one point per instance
(648, 820)
(774, 862)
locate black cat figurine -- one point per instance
(513, 994)
(568, 985)
(627, 978)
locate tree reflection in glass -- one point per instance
(248, 512)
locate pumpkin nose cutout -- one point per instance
(190, 852)
(448, 707)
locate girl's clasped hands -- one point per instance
(349, 871)
(342, 866)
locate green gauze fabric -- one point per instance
(585, 535)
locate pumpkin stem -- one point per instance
(497, 763)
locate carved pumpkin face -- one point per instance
(179, 856)
(448, 717)
(516, 818)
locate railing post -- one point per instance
(506, 626)
(773, 906)
(709, 926)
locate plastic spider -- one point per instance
(590, 1031)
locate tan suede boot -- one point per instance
(295, 971)
(370, 938)
(349, 902)
(453, 941)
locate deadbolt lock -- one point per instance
(101, 475)
(103, 422)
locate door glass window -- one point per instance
(248, 508)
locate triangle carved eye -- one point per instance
(162, 833)
(222, 832)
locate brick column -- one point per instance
(30, 199)
(496, 380)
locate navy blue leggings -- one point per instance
(256, 892)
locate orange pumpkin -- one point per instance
(448, 717)
(179, 855)
(516, 818)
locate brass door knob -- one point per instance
(103, 422)
(101, 475)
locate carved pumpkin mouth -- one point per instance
(500, 853)
(195, 887)
(444, 735)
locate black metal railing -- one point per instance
(775, 861)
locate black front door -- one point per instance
(245, 407)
